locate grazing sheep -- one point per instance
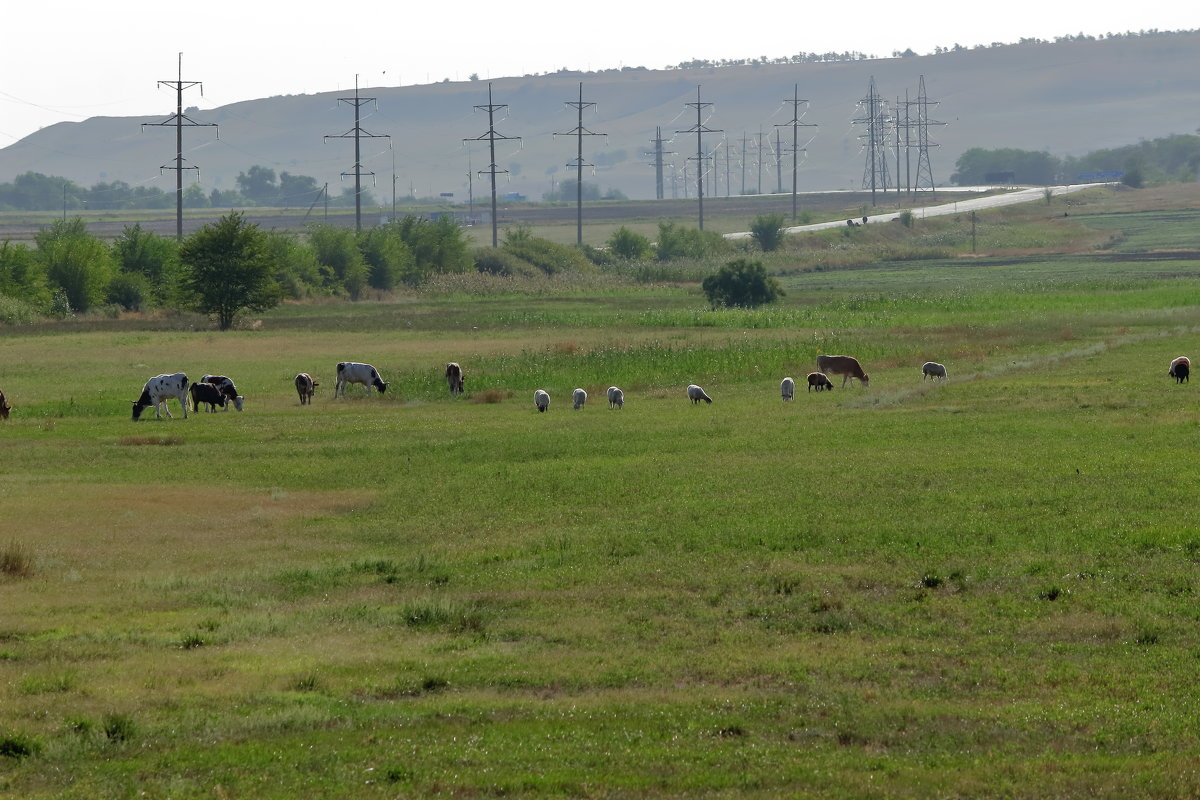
(787, 388)
(696, 394)
(541, 400)
(932, 369)
(616, 398)
(580, 397)
(1180, 369)
(819, 380)
(846, 366)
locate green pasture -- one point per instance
(983, 587)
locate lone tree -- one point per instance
(767, 231)
(742, 283)
(228, 268)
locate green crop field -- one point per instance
(983, 587)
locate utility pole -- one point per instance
(579, 132)
(923, 144)
(179, 120)
(875, 175)
(744, 140)
(758, 161)
(795, 125)
(728, 168)
(491, 137)
(699, 129)
(358, 134)
(658, 143)
(778, 162)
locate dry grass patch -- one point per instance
(16, 561)
(141, 441)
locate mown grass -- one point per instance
(980, 588)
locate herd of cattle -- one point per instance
(218, 390)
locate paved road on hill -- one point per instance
(955, 207)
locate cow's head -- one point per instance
(237, 402)
(380, 385)
(4, 408)
(138, 408)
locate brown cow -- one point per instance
(846, 366)
(454, 377)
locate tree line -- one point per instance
(1172, 159)
(258, 186)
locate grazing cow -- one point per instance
(1180, 369)
(454, 377)
(306, 387)
(932, 369)
(210, 394)
(696, 394)
(158, 390)
(579, 396)
(355, 372)
(541, 400)
(4, 407)
(227, 388)
(846, 366)
(819, 380)
(616, 398)
(787, 388)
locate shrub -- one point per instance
(130, 290)
(767, 231)
(16, 561)
(494, 261)
(550, 257)
(629, 245)
(677, 242)
(118, 728)
(17, 746)
(741, 283)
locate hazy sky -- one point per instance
(70, 60)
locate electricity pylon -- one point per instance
(699, 129)
(795, 125)
(579, 132)
(357, 134)
(491, 137)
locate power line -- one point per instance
(179, 120)
(699, 129)
(795, 124)
(579, 132)
(357, 134)
(491, 137)
(658, 143)
(875, 173)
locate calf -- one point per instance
(846, 366)
(227, 388)
(306, 387)
(819, 380)
(4, 407)
(158, 390)
(454, 377)
(355, 372)
(934, 370)
(1180, 369)
(209, 394)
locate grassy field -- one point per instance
(980, 588)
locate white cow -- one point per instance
(227, 388)
(616, 398)
(932, 369)
(541, 399)
(787, 388)
(846, 366)
(158, 390)
(355, 372)
(579, 396)
(696, 394)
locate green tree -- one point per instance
(337, 250)
(148, 254)
(75, 261)
(675, 241)
(297, 190)
(21, 274)
(741, 283)
(228, 268)
(386, 254)
(258, 185)
(767, 231)
(629, 245)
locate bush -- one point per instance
(130, 290)
(767, 231)
(743, 284)
(550, 257)
(494, 261)
(629, 245)
(677, 242)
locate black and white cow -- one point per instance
(209, 394)
(355, 372)
(158, 390)
(227, 388)
(454, 377)
(306, 387)
(4, 407)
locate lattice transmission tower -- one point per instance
(924, 168)
(878, 121)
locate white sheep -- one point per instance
(932, 369)
(787, 388)
(580, 397)
(616, 398)
(541, 399)
(696, 394)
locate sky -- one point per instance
(71, 60)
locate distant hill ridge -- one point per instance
(1066, 97)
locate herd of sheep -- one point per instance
(218, 390)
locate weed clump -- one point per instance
(16, 561)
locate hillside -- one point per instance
(1067, 98)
